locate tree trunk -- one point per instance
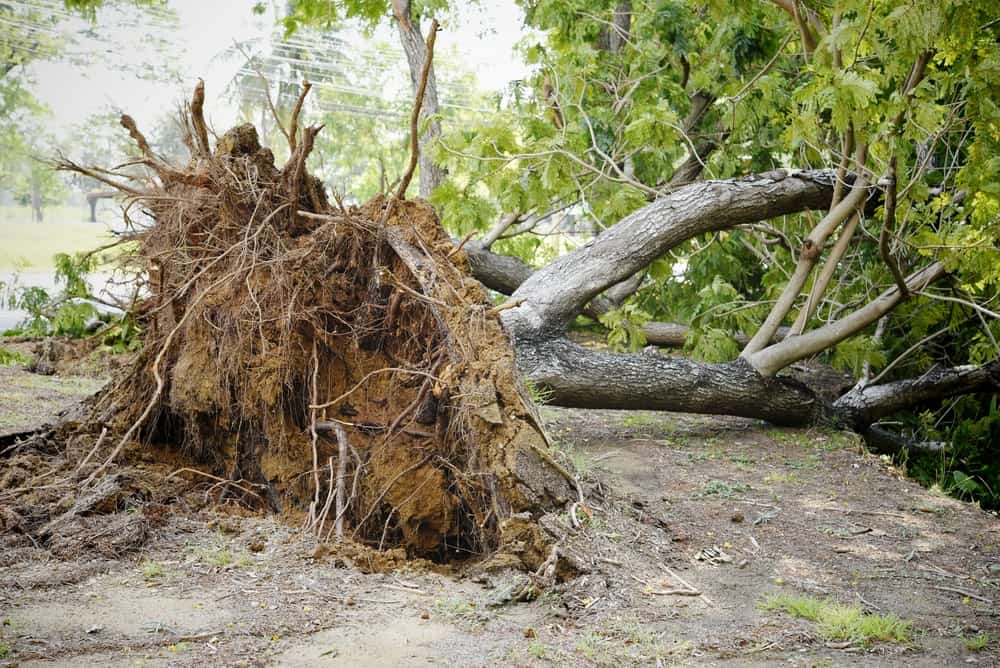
(92, 198)
(573, 376)
(36, 198)
(547, 300)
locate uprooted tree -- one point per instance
(341, 359)
(328, 358)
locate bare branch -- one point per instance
(198, 119)
(772, 359)
(812, 248)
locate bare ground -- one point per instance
(733, 508)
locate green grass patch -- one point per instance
(13, 358)
(224, 558)
(978, 643)
(723, 488)
(151, 569)
(633, 420)
(837, 621)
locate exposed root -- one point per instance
(291, 346)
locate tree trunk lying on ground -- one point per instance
(546, 301)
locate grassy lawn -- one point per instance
(25, 245)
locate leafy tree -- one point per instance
(890, 273)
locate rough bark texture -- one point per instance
(575, 376)
(554, 295)
(865, 405)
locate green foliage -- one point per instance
(625, 327)
(13, 358)
(71, 311)
(970, 467)
(539, 395)
(978, 642)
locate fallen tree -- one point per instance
(341, 360)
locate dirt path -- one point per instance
(770, 512)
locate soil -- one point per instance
(734, 508)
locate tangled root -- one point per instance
(333, 361)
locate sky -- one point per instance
(91, 80)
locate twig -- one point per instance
(461, 243)
(964, 592)
(267, 94)
(685, 583)
(415, 117)
(509, 304)
(100, 439)
(224, 481)
(888, 222)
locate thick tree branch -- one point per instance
(886, 442)
(830, 266)
(554, 295)
(772, 359)
(578, 377)
(812, 248)
(863, 406)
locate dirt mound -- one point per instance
(316, 359)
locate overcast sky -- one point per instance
(74, 88)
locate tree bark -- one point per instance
(863, 406)
(570, 375)
(573, 376)
(554, 295)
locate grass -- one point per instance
(723, 488)
(538, 394)
(152, 569)
(536, 650)
(13, 358)
(633, 420)
(4, 650)
(30, 246)
(977, 643)
(595, 647)
(841, 622)
(224, 557)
